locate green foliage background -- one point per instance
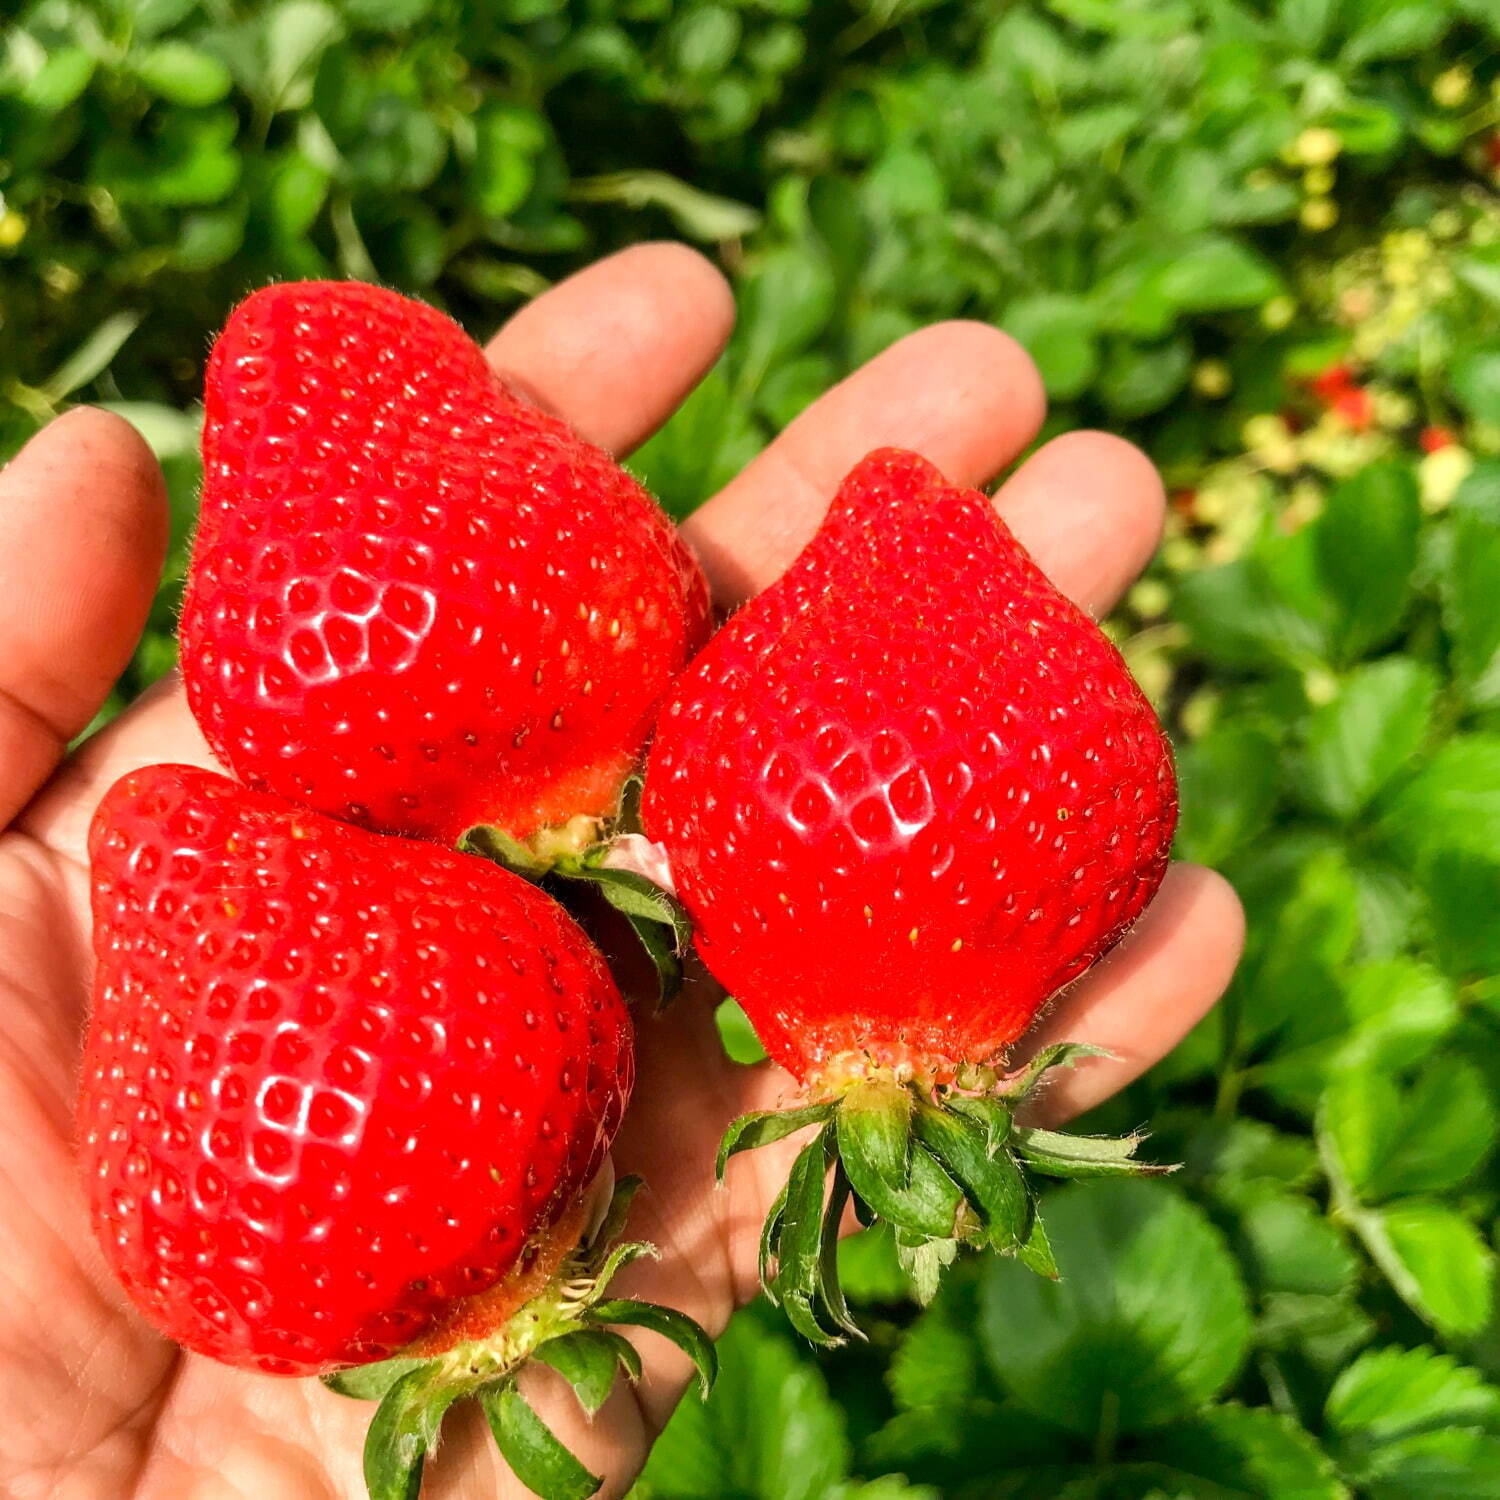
(1261, 237)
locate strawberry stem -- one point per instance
(942, 1165)
(567, 1327)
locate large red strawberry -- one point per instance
(907, 795)
(417, 602)
(342, 1095)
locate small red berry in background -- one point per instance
(1435, 439)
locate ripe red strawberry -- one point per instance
(907, 795)
(341, 1094)
(417, 602)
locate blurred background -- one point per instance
(1261, 238)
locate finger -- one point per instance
(964, 395)
(615, 348)
(83, 531)
(1089, 508)
(157, 728)
(1162, 979)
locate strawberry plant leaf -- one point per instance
(1390, 1393)
(1148, 1322)
(670, 1324)
(762, 1128)
(403, 1431)
(531, 1449)
(1243, 1451)
(1376, 725)
(1436, 1260)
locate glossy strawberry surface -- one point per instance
(333, 1082)
(911, 790)
(417, 602)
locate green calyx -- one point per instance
(569, 1326)
(580, 854)
(944, 1168)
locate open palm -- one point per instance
(98, 1405)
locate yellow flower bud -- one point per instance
(1211, 378)
(1318, 145)
(1451, 88)
(1440, 474)
(13, 228)
(1319, 214)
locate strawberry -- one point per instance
(341, 1095)
(417, 602)
(907, 795)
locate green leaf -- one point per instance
(1060, 334)
(1217, 273)
(937, 1362)
(761, 1128)
(1454, 1465)
(1234, 1450)
(1148, 1322)
(1446, 1130)
(785, 303)
(1453, 802)
(1390, 1392)
(588, 1361)
(1240, 614)
(1361, 739)
(93, 356)
(672, 1325)
(1463, 895)
(1475, 380)
(1367, 552)
(1228, 784)
(529, 1446)
(1286, 1243)
(737, 1034)
(182, 73)
(1397, 30)
(1438, 1262)
(403, 1431)
(1471, 585)
(769, 1431)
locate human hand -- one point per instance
(99, 1404)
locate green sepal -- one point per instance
(764, 1126)
(944, 1166)
(531, 1448)
(989, 1113)
(670, 1324)
(1058, 1055)
(1036, 1254)
(799, 1245)
(928, 1203)
(497, 846)
(587, 1361)
(924, 1261)
(370, 1382)
(657, 918)
(403, 1432)
(1058, 1155)
(560, 1327)
(991, 1181)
